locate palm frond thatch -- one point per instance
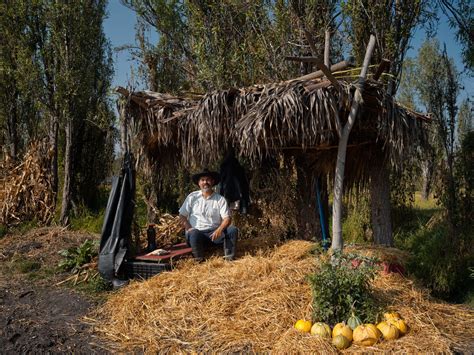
(263, 120)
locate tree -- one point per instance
(393, 23)
(461, 17)
(19, 75)
(56, 70)
(80, 86)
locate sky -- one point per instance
(119, 27)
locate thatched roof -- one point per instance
(261, 120)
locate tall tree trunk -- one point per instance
(12, 129)
(427, 172)
(68, 173)
(153, 193)
(53, 143)
(380, 204)
(337, 241)
(307, 217)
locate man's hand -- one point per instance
(217, 233)
(184, 221)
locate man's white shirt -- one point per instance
(204, 213)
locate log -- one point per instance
(319, 74)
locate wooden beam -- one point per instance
(319, 74)
(383, 66)
(307, 59)
(319, 62)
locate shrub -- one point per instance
(440, 262)
(339, 289)
(75, 257)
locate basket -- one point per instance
(143, 269)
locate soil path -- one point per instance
(35, 315)
(39, 319)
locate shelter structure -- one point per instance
(299, 118)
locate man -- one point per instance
(206, 218)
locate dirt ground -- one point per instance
(36, 315)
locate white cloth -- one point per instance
(204, 213)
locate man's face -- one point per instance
(206, 183)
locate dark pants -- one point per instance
(199, 239)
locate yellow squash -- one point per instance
(303, 326)
(388, 330)
(366, 334)
(400, 324)
(342, 329)
(390, 315)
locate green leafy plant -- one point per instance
(75, 257)
(342, 286)
(3, 230)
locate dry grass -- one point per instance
(41, 244)
(26, 191)
(250, 305)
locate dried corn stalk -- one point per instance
(26, 188)
(169, 230)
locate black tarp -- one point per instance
(234, 185)
(116, 230)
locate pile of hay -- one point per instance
(250, 305)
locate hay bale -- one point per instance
(250, 305)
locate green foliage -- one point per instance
(356, 226)
(25, 265)
(90, 218)
(75, 257)
(3, 230)
(88, 221)
(338, 289)
(437, 262)
(96, 285)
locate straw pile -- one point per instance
(27, 193)
(250, 305)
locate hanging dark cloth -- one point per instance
(234, 185)
(116, 230)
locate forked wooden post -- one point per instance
(337, 241)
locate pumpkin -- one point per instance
(341, 342)
(390, 315)
(400, 324)
(321, 329)
(342, 329)
(366, 334)
(389, 331)
(375, 329)
(303, 326)
(353, 321)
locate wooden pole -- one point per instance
(337, 241)
(319, 62)
(327, 46)
(319, 74)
